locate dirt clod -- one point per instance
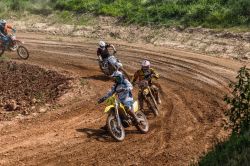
(23, 86)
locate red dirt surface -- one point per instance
(193, 86)
(23, 86)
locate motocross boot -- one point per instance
(133, 115)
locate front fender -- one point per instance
(108, 108)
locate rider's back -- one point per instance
(5, 29)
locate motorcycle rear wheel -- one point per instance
(118, 133)
(143, 127)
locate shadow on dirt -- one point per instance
(149, 114)
(98, 77)
(97, 134)
(79, 66)
(103, 135)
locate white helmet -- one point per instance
(102, 44)
(145, 64)
(3, 21)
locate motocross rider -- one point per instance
(103, 52)
(122, 88)
(147, 73)
(103, 55)
(4, 30)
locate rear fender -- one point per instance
(135, 106)
(18, 41)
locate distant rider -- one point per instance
(147, 73)
(103, 55)
(4, 31)
(122, 88)
(103, 52)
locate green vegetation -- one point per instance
(239, 101)
(22, 9)
(235, 151)
(33, 6)
(206, 13)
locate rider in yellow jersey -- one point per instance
(148, 73)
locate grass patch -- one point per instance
(188, 13)
(233, 152)
(68, 17)
(4, 58)
(207, 13)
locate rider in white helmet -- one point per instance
(103, 52)
(148, 73)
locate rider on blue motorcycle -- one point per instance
(4, 31)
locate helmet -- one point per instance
(118, 76)
(3, 22)
(102, 44)
(145, 65)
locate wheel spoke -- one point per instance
(115, 128)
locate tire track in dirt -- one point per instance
(193, 86)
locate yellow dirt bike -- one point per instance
(118, 119)
(148, 96)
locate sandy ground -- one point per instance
(193, 87)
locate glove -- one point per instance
(153, 75)
(101, 100)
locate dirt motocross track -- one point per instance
(193, 87)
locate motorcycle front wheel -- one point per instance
(23, 52)
(117, 132)
(152, 106)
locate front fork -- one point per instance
(152, 96)
(117, 114)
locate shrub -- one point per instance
(239, 102)
(18, 5)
